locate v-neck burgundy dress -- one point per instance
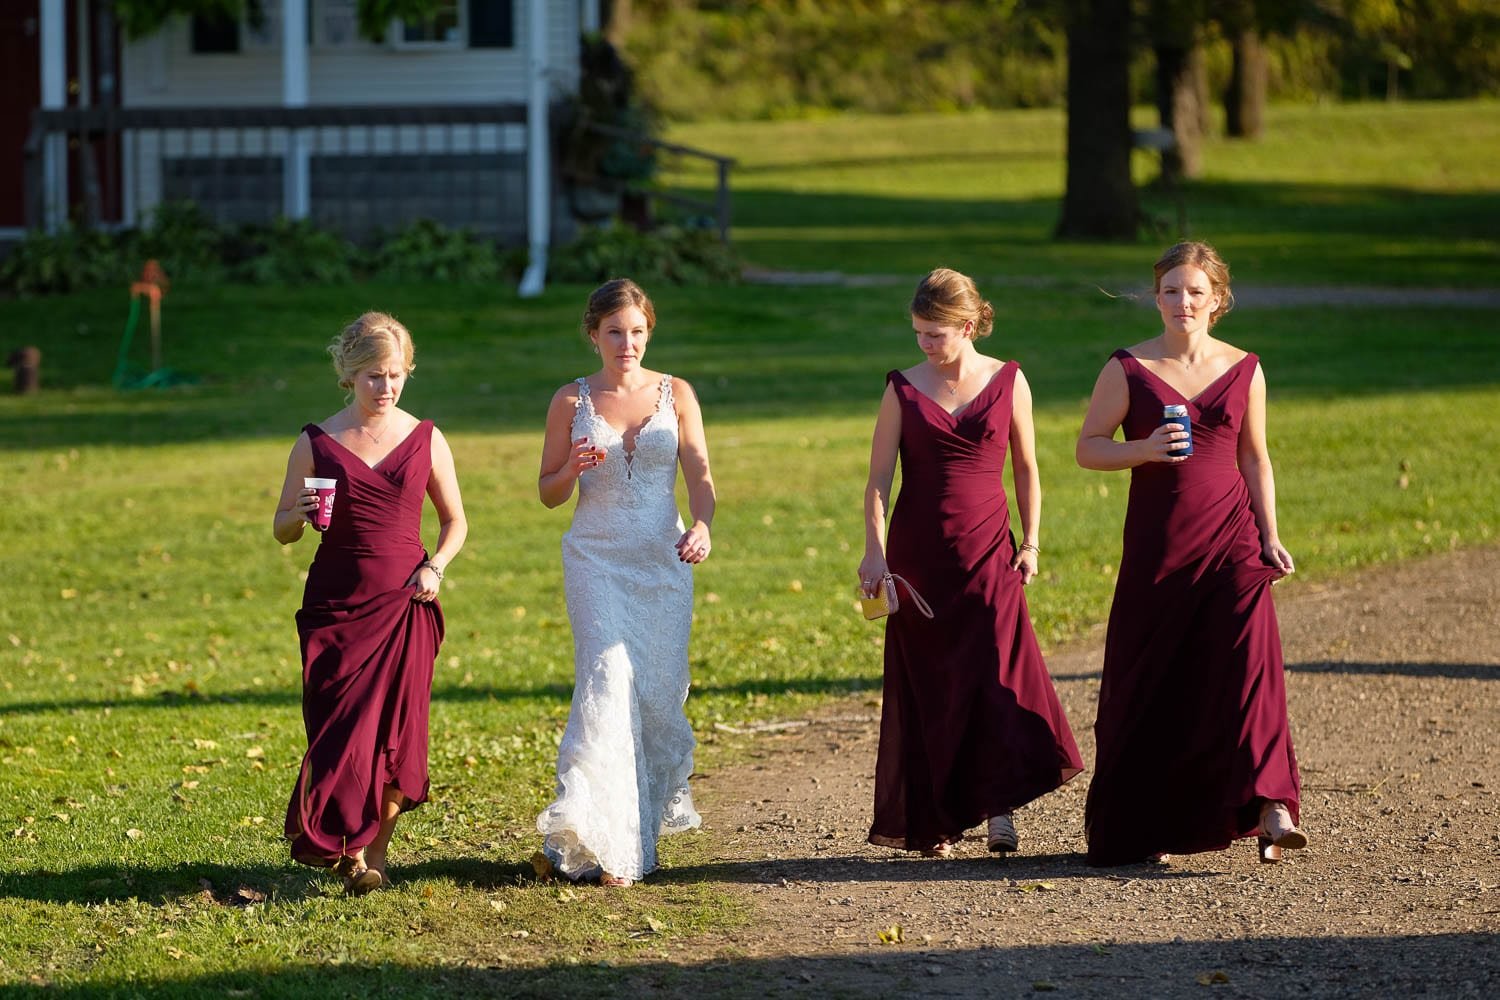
(1192, 729)
(970, 726)
(367, 649)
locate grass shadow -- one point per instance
(1327, 966)
(206, 882)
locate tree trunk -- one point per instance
(1100, 200)
(1245, 97)
(1180, 104)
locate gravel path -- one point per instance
(1394, 688)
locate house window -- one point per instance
(443, 27)
(477, 24)
(336, 23)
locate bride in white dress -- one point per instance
(619, 435)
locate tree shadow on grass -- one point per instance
(448, 693)
(1328, 966)
(207, 882)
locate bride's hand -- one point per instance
(585, 456)
(694, 545)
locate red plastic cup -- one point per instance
(323, 516)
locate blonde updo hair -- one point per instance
(370, 339)
(611, 297)
(948, 297)
(1206, 259)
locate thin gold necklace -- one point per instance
(375, 437)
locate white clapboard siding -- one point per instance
(163, 71)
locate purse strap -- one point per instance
(916, 598)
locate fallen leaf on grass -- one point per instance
(135, 834)
(655, 925)
(1214, 978)
(520, 934)
(205, 744)
(246, 896)
(497, 905)
(891, 935)
(255, 753)
(566, 895)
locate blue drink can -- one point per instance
(1176, 413)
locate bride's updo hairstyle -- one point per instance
(1206, 259)
(611, 297)
(369, 340)
(945, 296)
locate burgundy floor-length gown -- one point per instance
(1192, 730)
(971, 726)
(367, 649)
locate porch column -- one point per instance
(538, 151)
(296, 183)
(589, 17)
(54, 43)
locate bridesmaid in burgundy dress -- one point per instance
(971, 727)
(1193, 743)
(370, 624)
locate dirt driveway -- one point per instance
(1394, 687)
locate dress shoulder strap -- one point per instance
(666, 400)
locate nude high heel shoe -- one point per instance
(1277, 832)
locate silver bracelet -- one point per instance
(1027, 545)
(434, 567)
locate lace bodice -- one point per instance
(628, 480)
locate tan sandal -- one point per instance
(359, 878)
(615, 881)
(943, 850)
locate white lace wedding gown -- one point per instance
(623, 765)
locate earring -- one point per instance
(596, 348)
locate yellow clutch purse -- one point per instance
(887, 600)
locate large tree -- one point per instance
(1100, 200)
(1175, 29)
(1245, 94)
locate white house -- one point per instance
(294, 114)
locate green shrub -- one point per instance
(181, 237)
(293, 252)
(427, 251)
(669, 254)
(69, 260)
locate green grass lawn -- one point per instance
(1339, 194)
(149, 715)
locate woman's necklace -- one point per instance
(952, 387)
(375, 437)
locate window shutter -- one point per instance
(216, 33)
(492, 24)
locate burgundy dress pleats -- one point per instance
(367, 649)
(1192, 730)
(971, 726)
